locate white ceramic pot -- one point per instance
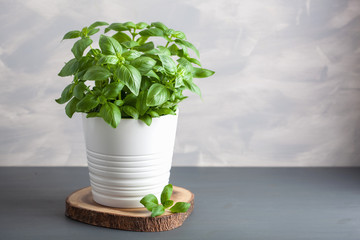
(130, 161)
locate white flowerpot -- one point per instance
(130, 161)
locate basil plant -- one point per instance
(127, 75)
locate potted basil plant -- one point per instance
(128, 85)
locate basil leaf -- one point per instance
(152, 74)
(96, 73)
(166, 193)
(164, 50)
(87, 103)
(93, 31)
(152, 32)
(201, 72)
(189, 45)
(111, 114)
(150, 198)
(141, 25)
(168, 64)
(129, 25)
(168, 203)
(157, 95)
(80, 46)
(108, 59)
(116, 27)
(131, 111)
(192, 87)
(79, 90)
(157, 211)
(159, 25)
(130, 44)
(112, 90)
(145, 47)
(165, 111)
(72, 34)
(141, 103)
(119, 103)
(93, 114)
(98, 24)
(131, 55)
(70, 108)
(186, 64)
(180, 207)
(109, 45)
(66, 94)
(143, 64)
(193, 60)
(153, 114)
(121, 37)
(173, 49)
(146, 119)
(179, 34)
(130, 76)
(70, 68)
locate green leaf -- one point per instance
(153, 114)
(194, 60)
(141, 25)
(70, 68)
(80, 46)
(130, 44)
(152, 74)
(142, 40)
(121, 37)
(173, 49)
(70, 108)
(150, 198)
(168, 64)
(98, 24)
(189, 45)
(131, 111)
(130, 25)
(143, 64)
(141, 103)
(146, 119)
(112, 90)
(192, 87)
(72, 34)
(130, 76)
(159, 25)
(152, 32)
(165, 111)
(109, 45)
(131, 55)
(97, 73)
(186, 64)
(111, 114)
(157, 211)
(116, 27)
(201, 72)
(157, 95)
(108, 59)
(93, 31)
(164, 50)
(66, 94)
(168, 203)
(87, 103)
(119, 103)
(79, 90)
(179, 34)
(93, 114)
(130, 99)
(166, 193)
(180, 207)
(145, 47)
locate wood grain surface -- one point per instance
(81, 207)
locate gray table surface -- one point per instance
(230, 203)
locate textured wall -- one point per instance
(285, 93)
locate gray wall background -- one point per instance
(285, 93)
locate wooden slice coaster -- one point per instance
(80, 206)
